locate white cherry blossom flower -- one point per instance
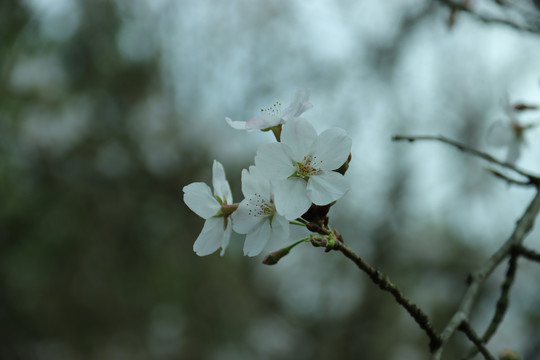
(301, 165)
(215, 209)
(256, 215)
(509, 133)
(273, 115)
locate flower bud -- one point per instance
(522, 107)
(275, 256)
(319, 241)
(508, 354)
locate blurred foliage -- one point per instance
(89, 258)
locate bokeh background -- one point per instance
(109, 108)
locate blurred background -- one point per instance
(109, 108)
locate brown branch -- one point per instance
(466, 328)
(523, 227)
(533, 179)
(502, 303)
(508, 179)
(526, 253)
(460, 319)
(486, 19)
(385, 284)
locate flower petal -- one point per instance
(300, 136)
(238, 125)
(257, 239)
(242, 220)
(226, 237)
(198, 197)
(327, 187)
(211, 236)
(280, 228)
(255, 182)
(298, 106)
(220, 183)
(291, 198)
(273, 161)
(332, 149)
(262, 121)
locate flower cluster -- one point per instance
(290, 176)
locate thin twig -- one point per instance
(508, 179)
(466, 328)
(502, 303)
(523, 227)
(385, 284)
(532, 178)
(488, 20)
(526, 253)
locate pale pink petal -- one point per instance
(238, 125)
(220, 183)
(290, 196)
(211, 237)
(257, 239)
(273, 161)
(198, 197)
(298, 106)
(332, 149)
(327, 187)
(300, 136)
(262, 121)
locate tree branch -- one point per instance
(523, 227)
(526, 253)
(533, 179)
(488, 20)
(512, 246)
(508, 179)
(385, 284)
(466, 328)
(502, 303)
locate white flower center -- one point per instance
(260, 207)
(309, 166)
(274, 110)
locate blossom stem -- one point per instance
(306, 239)
(226, 210)
(297, 223)
(275, 256)
(277, 132)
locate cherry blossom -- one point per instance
(274, 115)
(256, 215)
(215, 209)
(509, 133)
(300, 166)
